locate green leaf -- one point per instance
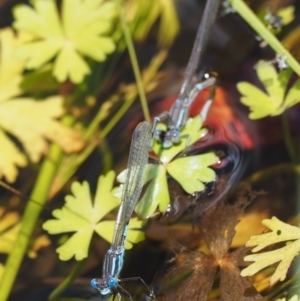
(70, 63)
(293, 95)
(287, 14)
(259, 103)
(81, 31)
(42, 21)
(10, 68)
(276, 100)
(267, 74)
(156, 194)
(10, 158)
(82, 216)
(192, 172)
(284, 77)
(32, 122)
(36, 54)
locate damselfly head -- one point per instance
(100, 285)
(171, 137)
(163, 136)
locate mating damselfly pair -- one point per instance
(138, 158)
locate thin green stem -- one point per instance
(291, 150)
(134, 61)
(288, 139)
(30, 216)
(263, 32)
(75, 272)
(106, 153)
(116, 117)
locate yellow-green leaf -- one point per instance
(70, 64)
(287, 14)
(276, 100)
(192, 172)
(10, 158)
(82, 217)
(285, 255)
(267, 74)
(80, 30)
(33, 122)
(293, 95)
(10, 68)
(157, 192)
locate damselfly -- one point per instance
(178, 115)
(113, 261)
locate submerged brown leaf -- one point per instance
(232, 285)
(199, 283)
(217, 229)
(217, 225)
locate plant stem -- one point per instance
(134, 61)
(263, 32)
(30, 216)
(291, 150)
(288, 139)
(76, 270)
(116, 117)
